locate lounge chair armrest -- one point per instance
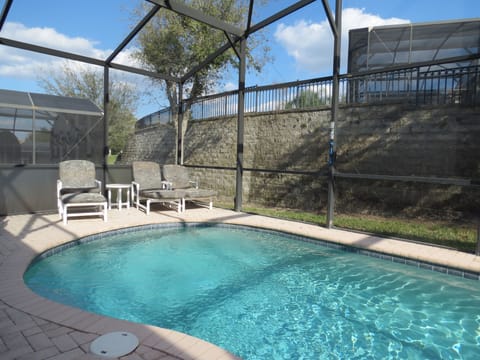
(99, 185)
(167, 185)
(135, 187)
(59, 187)
(194, 183)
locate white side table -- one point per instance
(120, 188)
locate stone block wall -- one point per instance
(391, 139)
(439, 141)
(156, 143)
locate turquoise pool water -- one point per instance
(266, 295)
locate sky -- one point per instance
(301, 44)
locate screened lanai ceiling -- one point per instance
(41, 102)
(234, 33)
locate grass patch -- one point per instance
(111, 159)
(458, 236)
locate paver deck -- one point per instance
(32, 327)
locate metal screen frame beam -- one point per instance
(133, 33)
(332, 147)
(250, 14)
(106, 102)
(179, 147)
(81, 58)
(250, 30)
(240, 127)
(208, 60)
(279, 15)
(50, 51)
(331, 19)
(195, 14)
(4, 14)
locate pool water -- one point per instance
(266, 295)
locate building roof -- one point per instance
(35, 101)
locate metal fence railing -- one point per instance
(434, 84)
(294, 95)
(163, 116)
(419, 85)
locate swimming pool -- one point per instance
(266, 295)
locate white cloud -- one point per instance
(49, 37)
(311, 44)
(27, 65)
(229, 86)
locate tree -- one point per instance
(88, 83)
(306, 99)
(172, 44)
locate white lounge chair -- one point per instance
(78, 192)
(149, 188)
(178, 178)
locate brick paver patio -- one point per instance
(35, 328)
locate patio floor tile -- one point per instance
(32, 328)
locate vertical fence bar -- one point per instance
(417, 85)
(474, 95)
(445, 88)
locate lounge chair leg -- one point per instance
(147, 210)
(64, 215)
(105, 212)
(210, 205)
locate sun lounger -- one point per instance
(178, 178)
(78, 192)
(149, 188)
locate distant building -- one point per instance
(47, 129)
(442, 58)
(381, 47)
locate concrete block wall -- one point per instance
(393, 139)
(404, 140)
(156, 143)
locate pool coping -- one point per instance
(27, 236)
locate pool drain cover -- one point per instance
(114, 344)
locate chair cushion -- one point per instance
(77, 174)
(75, 198)
(148, 174)
(199, 193)
(177, 175)
(163, 194)
(88, 189)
